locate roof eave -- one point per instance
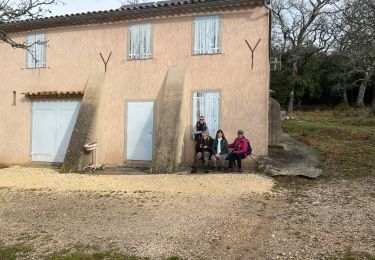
(176, 8)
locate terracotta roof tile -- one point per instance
(126, 12)
(48, 94)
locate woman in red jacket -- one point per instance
(239, 151)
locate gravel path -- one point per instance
(42, 178)
(157, 216)
(333, 220)
(192, 216)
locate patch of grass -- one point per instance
(14, 251)
(86, 252)
(80, 255)
(353, 256)
(26, 237)
(345, 140)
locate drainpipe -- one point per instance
(268, 4)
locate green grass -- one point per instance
(353, 256)
(14, 251)
(78, 254)
(345, 140)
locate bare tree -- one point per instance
(13, 11)
(357, 43)
(132, 2)
(303, 28)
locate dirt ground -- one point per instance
(157, 216)
(216, 216)
(332, 220)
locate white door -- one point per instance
(140, 128)
(52, 126)
(207, 104)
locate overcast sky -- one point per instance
(79, 6)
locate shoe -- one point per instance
(194, 170)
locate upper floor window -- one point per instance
(140, 41)
(36, 54)
(207, 34)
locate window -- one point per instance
(207, 104)
(139, 41)
(207, 34)
(36, 55)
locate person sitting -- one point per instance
(203, 150)
(239, 152)
(220, 150)
(199, 128)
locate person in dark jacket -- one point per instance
(239, 151)
(199, 128)
(203, 150)
(220, 150)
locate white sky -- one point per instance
(79, 6)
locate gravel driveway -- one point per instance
(157, 216)
(240, 216)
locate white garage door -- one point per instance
(52, 125)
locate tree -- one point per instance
(132, 2)
(357, 43)
(13, 11)
(303, 28)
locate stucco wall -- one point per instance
(73, 55)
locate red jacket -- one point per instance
(240, 146)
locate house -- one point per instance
(135, 80)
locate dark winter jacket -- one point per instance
(198, 129)
(201, 142)
(224, 146)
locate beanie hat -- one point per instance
(240, 132)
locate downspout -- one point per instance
(268, 4)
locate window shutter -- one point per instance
(207, 34)
(40, 50)
(36, 55)
(30, 53)
(207, 104)
(216, 23)
(142, 41)
(133, 41)
(140, 37)
(148, 35)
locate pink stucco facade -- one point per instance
(72, 55)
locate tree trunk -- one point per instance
(291, 100)
(293, 89)
(345, 96)
(362, 91)
(373, 99)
